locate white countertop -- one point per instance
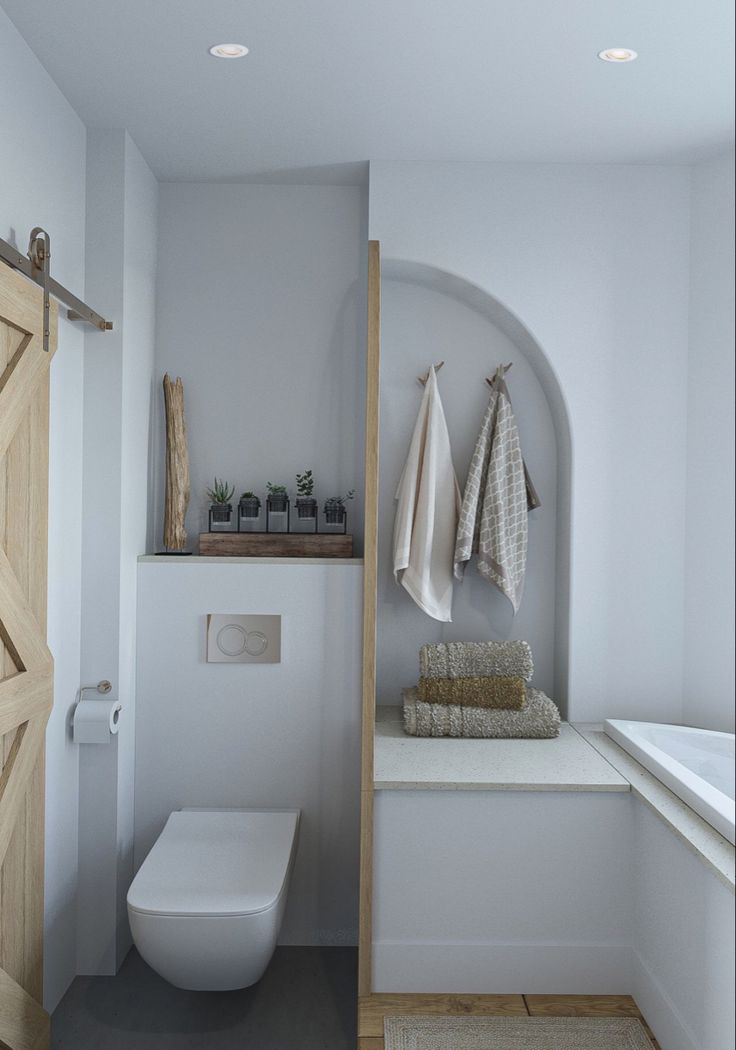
(582, 758)
(567, 763)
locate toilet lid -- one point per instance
(216, 862)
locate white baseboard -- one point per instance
(660, 1012)
(536, 969)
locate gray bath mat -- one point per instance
(514, 1033)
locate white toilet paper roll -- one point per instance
(96, 721)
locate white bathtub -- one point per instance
(697, 764)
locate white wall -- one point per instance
(260, 310)
(496, 891)
(556, 893)
(709, 552)
(261, 735)
(594, 261)
(137, 393)
(420, 326)
(683, 941)
(42, 182)
(121, 265)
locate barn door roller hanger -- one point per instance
(37, 266)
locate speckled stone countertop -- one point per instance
(716, 851)
(568, 763)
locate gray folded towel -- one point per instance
(538, 719)
(474, 659)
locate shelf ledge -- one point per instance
(197, 559)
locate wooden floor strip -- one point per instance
(581, 1006)
(649, 1032)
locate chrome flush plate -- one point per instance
(236, 639)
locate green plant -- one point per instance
(339, 501)
(249, 495)
(221, 492)
(305, 484)
(276, 490)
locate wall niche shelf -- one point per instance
(197, 559)
(275, 545)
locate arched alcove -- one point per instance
(429, 315)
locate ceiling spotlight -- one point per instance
(229, 50)
(617, 54)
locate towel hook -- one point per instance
(423, 379)
(499, 373)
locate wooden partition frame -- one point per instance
(370, 585)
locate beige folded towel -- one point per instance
(478, 691)
(471, 659)
(538, 719)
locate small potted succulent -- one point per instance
(306, 504)
(249, 513)
(277, 508)
(221, 509)
(336, 513)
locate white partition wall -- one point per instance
(564, 893)
(237, 735)
(496, 892)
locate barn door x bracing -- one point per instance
(26, 667)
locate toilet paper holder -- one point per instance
(95, 721)
(104, 687)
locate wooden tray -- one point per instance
(275, 545)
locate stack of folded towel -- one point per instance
(478, 689)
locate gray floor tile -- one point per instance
(306, 1001)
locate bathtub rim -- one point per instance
(715, 851)
(706, 800)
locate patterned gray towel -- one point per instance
(476, 659)
(493, 516)
(538, 719)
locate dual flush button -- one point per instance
(233, 639)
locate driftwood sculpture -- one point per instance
(177, 467)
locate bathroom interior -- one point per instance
(367, 525)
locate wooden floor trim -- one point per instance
(581, 1006)
(372, 1009)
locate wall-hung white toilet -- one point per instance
(206, 906)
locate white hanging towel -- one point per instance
(493, 517)
(428, 503)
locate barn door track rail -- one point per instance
(37, 266)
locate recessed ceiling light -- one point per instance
(229, 50)
(617, 54)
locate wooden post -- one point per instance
(370, 604)
(177, 467)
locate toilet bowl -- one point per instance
(206, 906)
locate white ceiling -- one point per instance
(336, 82)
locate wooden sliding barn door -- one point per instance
(26, 666)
